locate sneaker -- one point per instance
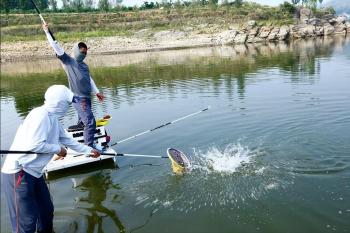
(98, 147)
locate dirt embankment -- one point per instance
(146, 40)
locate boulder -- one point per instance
(283, 33)
(296, 31)
(250, 39)
(305, 14)
(253, 31)
(328, 17)
(264, 32)
(308, 31)
(340, 28)
(251, 23)
(252, 34)
(248, 26)
(258, 39)
(341, 19)
(273, 34)
(347, 24)
(241, 38)
(319, 31)
(332, 21)
(314, 21)
(226, 37)
(328, 29)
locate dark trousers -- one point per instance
(85, 116)
(29, 203)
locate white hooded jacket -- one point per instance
(41, 132)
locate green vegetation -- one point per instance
(202, 17)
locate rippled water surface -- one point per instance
(271, 155)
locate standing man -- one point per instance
(28, 198)
(80, 83)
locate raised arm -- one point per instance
(54, 44)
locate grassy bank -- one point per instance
(202, 19)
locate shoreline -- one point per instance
(142, 41)
(173, 56)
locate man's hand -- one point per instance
(95, 153)
(45, 27)
(100, 97)
(61, 154)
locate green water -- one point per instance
(271, 155)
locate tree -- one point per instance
(65, 4)
(25, 5)
(42, 4)
(214, 2)
(89, 4)
(7, 5)
(53, 5)
(286, 7)
(237, 3)
(104, 5)
(77, 5)
(295, 1)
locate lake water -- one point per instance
(271, 155)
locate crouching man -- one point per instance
(27, 195)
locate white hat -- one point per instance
(57, 93)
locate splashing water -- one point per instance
(227, 161)
(219, 179)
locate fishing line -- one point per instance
(160, 126)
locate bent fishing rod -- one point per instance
(160, 126)
(75, 154)
(42, 18)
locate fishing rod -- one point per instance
(81, 154)
(161, 126)
(42, 18)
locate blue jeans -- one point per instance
(29, 203)
(85, 116)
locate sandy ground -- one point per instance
(164, 40)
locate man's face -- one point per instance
(83, 51)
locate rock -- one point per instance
(328, 17)
(328, 29)
(252, 34)
(296, 32)
(347, 24)
(258, 39)
(241, 38)
(250, 39)
(341, 19)
(273, 34)
(254, 31)
(332, 21)
(319, 31)
(264, 32)
(305, 13)
(314, 21)
(308, 31)
(340, 28)
(251, 23)
(226, 37)
(283, 33)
